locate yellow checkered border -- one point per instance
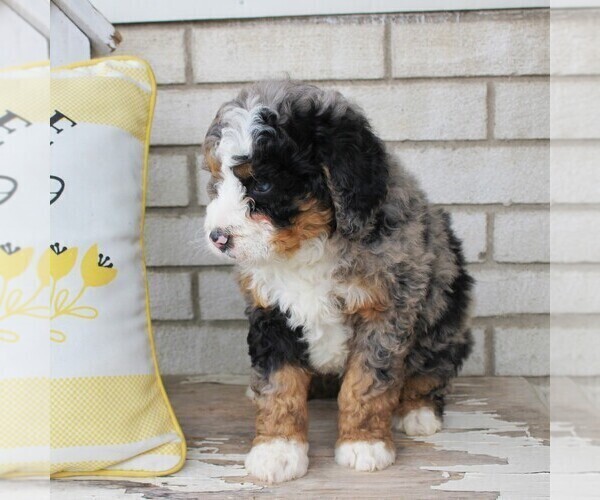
(113, 90)
(29, 97)
(99, 411)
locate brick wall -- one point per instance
(575, 193)
(461, 98)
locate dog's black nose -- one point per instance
(219, 239)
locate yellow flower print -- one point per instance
(14, 260)
(62, 261)
(96, 269)
(43, 269)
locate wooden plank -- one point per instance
(34, 12)
(103, 37)
(495, 441)
(68, 43)
(26, 43)
(138, 11)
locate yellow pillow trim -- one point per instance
(24, 102)
(110, 96)
(34, 64)
(163, 393)
(114, 86)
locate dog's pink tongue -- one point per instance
(221, 240)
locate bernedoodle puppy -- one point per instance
(346, 270)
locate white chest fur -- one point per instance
(303, 287)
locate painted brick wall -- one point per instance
(461, 99)
(575, 193)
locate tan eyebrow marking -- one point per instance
(243, 171)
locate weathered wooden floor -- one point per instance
(494, 442)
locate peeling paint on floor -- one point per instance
(526, 471)
(575, 463)
(203, 450)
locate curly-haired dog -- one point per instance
(346, 270)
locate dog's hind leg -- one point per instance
(421, 406)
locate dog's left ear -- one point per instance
(355, 164)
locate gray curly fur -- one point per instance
(395, 240)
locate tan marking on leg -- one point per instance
(365, 415)
(312, 221)
(282, 409)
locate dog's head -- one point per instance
(289, 163)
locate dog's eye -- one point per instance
(262, 187)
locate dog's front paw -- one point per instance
(278, 460)
(420, 422)
(364, 455)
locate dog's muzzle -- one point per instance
(220, 239)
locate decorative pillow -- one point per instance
(109, 413)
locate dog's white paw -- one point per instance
(420, 422)
(278, 460)
(365, 456)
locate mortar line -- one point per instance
(509, 266)
(187, 268)
(196, 298)
(234, 85)
(523, 320)
(489, 236)
(187, 55)
(387, 49)
(472, 266)
(490, 361)
(207, 323)
(467, 142)
(198, 210)
(491, 110)
(494, 208)
(174, 149)
(406, 143)
(193, 180)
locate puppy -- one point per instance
(345, 268)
